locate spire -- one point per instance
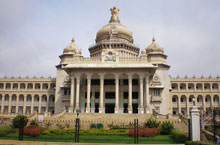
(114, 17)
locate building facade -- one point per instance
(116, 78)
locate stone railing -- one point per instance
(121, 59)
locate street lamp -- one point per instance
(77, 126)
(77, 112)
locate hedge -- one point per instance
(196, 143)
(178, 136)
(123, 132)
(5, 130)
(145, 132)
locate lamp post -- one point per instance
(77, 127)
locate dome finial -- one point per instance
(73, 40)
(153, 39)
(114, 17)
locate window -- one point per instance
(134, 95)
(156, 92)
(109, 82)
(125, 94)
(95, 82)
(97, 95)
(135, 82)
(67, 91)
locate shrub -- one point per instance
(67, 125)
(178, 136)
(151, 123)
(33, 131)
(145, 132)
(18, 123)
(5, 130)
(48, 124)
(166, 128)
(99, 126)
(60, 126)
(33, 123)
(196, 143)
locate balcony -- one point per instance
(21, 103)
(43, 103)
(157, 99)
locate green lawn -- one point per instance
(161, 139)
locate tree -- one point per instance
(20, 121)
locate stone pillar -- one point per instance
(39, 105)
(147, 94)
(24, 107)
(187, 105)
(117, 110)
(204, 103)
(141, 106)
(212, 102)
(47, 105)
(195, 124)
(130, 109)
(88, 92)
(9, 105)
(101, 98)
(17, 101)
(32, 104)
(72, 92)
(179, 104)
(77, 92)
(2, 106)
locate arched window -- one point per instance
(191, 86)
(207, 86)
(28, 98)
(37, 86)
(21, 97)
(15, 86)
(8, 86)
(45, 86)
(215, 86)
(174, 86)
(182, 86)
(6, 97)
(199, 86)
(22, 86)
(14, 98)
(29, 86)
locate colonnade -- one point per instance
(28, 102)
(144, 94)
(184, 102)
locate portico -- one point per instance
(104, 90)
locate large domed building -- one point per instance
(115, 79)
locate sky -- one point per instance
(33, 33)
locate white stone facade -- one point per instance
(115, 79)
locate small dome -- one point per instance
(154, 47)
(72, 48)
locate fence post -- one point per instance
(135, 131)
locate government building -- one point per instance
(116, 79)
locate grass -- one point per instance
(161, 139)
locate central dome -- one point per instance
(114, 30)
(117, 30)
